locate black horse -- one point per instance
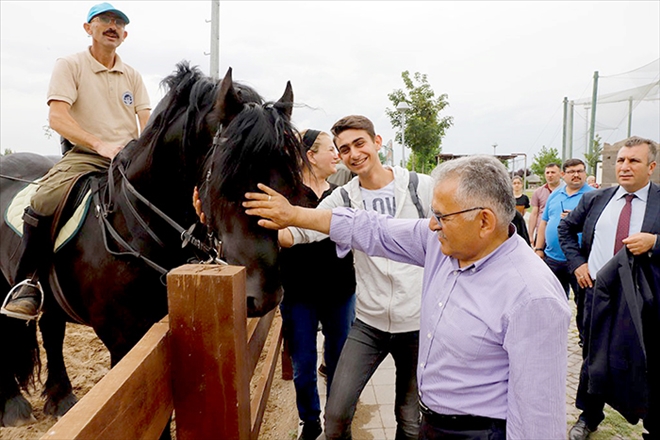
(220, 136)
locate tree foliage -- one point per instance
(593, 158)
(424, 127)
(544, 157)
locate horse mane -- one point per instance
(190, 95)
(259, 145)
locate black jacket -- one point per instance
(623, 335)
(617, 331)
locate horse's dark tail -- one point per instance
(20, 351)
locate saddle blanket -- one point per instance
(14, 215)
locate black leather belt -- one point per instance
(460, 422)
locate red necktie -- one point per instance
(623, 226)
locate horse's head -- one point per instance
(175, 143)
(257, 144)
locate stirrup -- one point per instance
(23, 316)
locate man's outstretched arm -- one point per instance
(278, 213)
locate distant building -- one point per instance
(533, 181)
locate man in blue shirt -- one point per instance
(562, 201)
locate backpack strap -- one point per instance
(412, 187)
(344, 196)
(413, 182)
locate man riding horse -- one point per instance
(93, 100)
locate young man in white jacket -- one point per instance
(388, 293)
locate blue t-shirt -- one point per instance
(559, 201)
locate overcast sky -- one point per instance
(505, 66)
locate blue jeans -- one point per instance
(365, 349)
(301, 321)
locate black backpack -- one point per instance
(412, 187)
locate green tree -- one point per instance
(7, 152)
(424, 127)
(593, 158)
(544, 157)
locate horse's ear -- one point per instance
(285, 103)
(227, 102)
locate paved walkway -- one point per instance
(375, 412)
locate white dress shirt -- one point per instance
(602, 249)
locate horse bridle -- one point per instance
(213, 250)
(212, 236)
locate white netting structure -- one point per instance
(625, 99)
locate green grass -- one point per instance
(616, 427)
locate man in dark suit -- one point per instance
(599, 217)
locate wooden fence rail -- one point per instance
(197, 361)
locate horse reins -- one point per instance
(186, 235)
(18, 179)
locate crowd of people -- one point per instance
(441, 272)
(491, 362)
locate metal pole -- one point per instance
(586, 128)
(215, 40)
(571, 107)
(592, 129)
(565, 128)
(630, 102)
(403, 140)
(402, 107)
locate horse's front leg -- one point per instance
(20, 352)
(57, 392)
(15, 410)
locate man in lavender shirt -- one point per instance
(494, 319)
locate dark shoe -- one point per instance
(579, 431)
(23, 301)
(311, 430)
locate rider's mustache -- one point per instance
(111, 32)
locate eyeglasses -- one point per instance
(440, 217)
(574, 171)
(104, 19)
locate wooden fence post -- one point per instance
(208, 316)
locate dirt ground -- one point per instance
(88, 361)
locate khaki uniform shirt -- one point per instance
(104, 102)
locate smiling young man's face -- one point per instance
(358, 150)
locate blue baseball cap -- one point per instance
(105, 7)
